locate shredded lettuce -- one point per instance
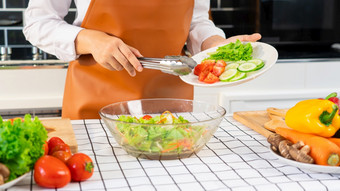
(233, 52)
(179, 138)
(21, 144)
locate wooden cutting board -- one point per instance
(254, 120)
(61, 128)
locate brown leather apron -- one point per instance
(156, 28)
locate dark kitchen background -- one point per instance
(297, 28)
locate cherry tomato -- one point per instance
(54, 141)
(147, 117)
(45, 147)
(61, 147)
(81, 167)
(51, 172)
(335, 100)
(13, 119)
(211, 78)
(62, 155)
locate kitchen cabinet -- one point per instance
(32, 90)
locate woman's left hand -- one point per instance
(218, 40)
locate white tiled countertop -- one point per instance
(236, 158)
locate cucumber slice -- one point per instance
(227, 75)
(240, 62)
(256, 61)
(259, 63)
(247, 67)
(232, 66)
(259, 66)
(238, 76)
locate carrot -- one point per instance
(323, 151)
(335, 140)
(184, 142)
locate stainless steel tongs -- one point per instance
(175, 65)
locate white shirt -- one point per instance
(44, 26)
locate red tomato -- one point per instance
(335, 100)
(45, 147)
(62, 155)
(147, 117)
(203, 75)
(209, 62)
(62, 147)
(217, 70)
(81, 167)
(202, 67)
(51, 172)
(205, 72)
(54, 141)
(198, 69)
(221, 63)
(211, 78)
(13, 119)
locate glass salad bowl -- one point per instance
(162, 128)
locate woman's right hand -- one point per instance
(108, 51)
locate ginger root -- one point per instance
(298, 151)
(274, 140)
(284, 147)
(301, 155)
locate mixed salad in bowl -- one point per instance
(180, 137)
(178, 132)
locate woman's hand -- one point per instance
(108, 51)
(218, 40)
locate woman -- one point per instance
(107, 37)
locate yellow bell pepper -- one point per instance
(315, 116)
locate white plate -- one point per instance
(13, 182)
(260, 50)
(306, 166)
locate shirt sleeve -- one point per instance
(201, 27)
(46, 28)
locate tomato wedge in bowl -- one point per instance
(173, 128)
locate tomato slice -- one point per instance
(203, 66)
(221, 63)
(208, 62)
(211, 78)
(205, 72)
(147, 117)
(198, 69)
(218, 70)
(203, 75)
